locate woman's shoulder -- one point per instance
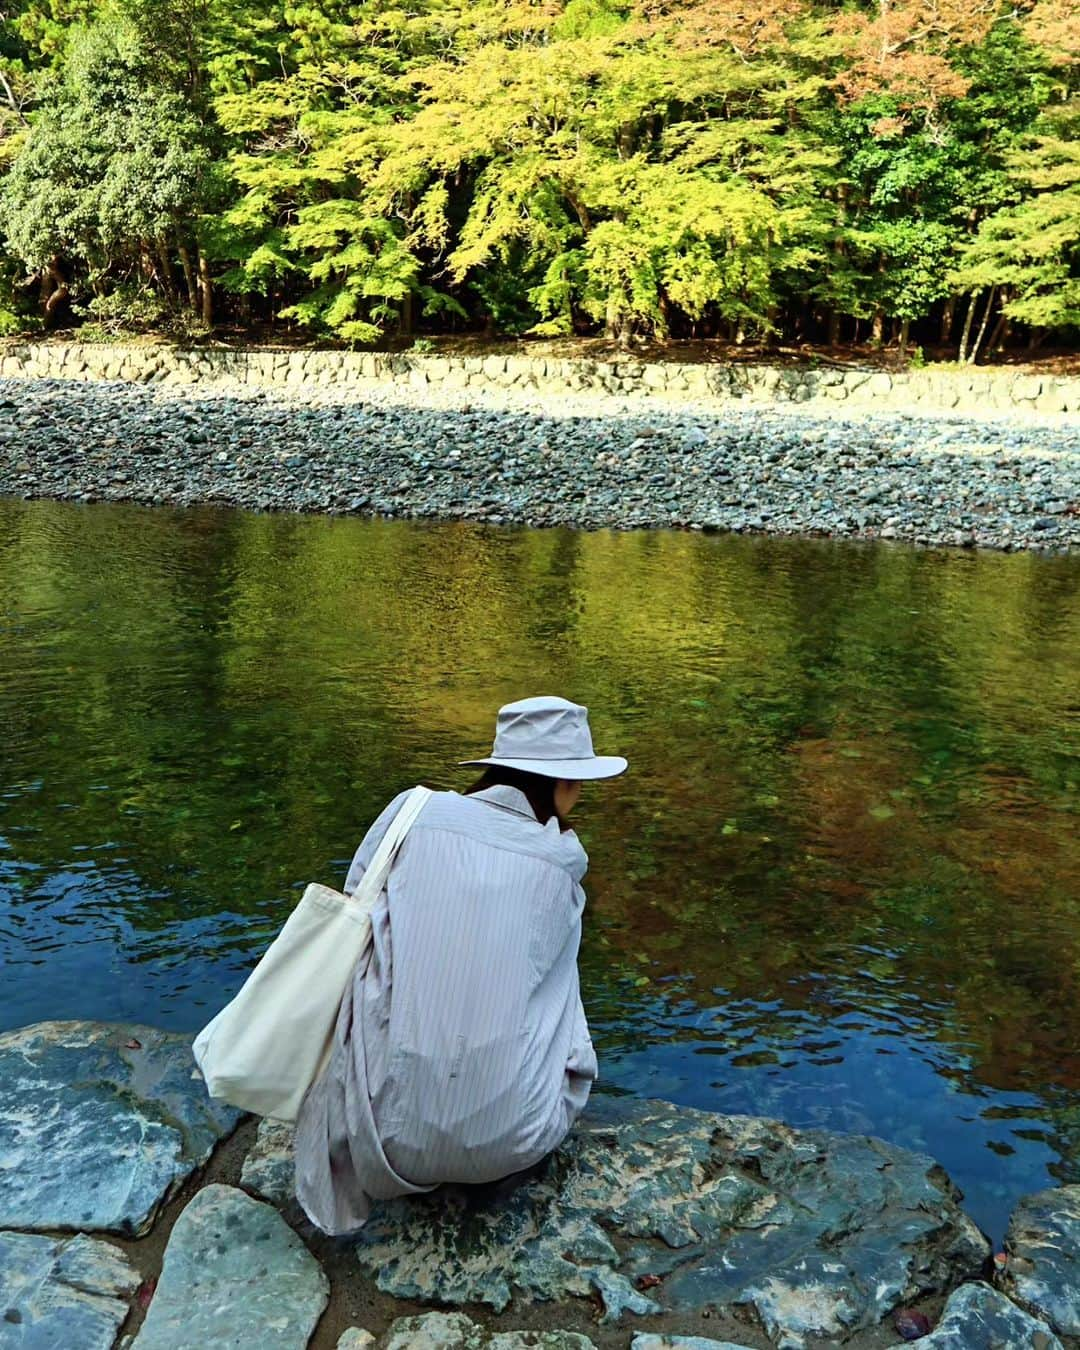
(492, 827)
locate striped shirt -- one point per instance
(462, 1053)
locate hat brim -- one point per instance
(599, 766)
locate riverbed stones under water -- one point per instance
(99, 1124)
(591, 462)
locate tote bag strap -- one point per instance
(374, 878)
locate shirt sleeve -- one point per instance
(370, 842)
(581, 1063)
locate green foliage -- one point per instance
(580, 166)
(127, 308)
(109, 169)
(1033, 248)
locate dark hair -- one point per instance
(539, 790)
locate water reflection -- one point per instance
(839, 884)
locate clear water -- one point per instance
(841, 883)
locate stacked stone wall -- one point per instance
(967, 392)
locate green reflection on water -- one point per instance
(853, 789)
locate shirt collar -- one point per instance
(510, 798)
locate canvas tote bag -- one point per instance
(265, 1049)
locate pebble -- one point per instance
(582, 461)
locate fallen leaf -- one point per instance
(649, 1281)
(146, 1292)
(133, 1044)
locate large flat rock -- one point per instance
(99, 1124)
(819, 1234)
(647, 1341)
(1043, 1246)
(977, 1317)
(455, 1331)
(62, 1292)
(269, 1168)
(234, 1274)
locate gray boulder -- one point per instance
(818, 1234)
(455, 1331)
(977, 1317)
(1043, 1247)
(268, 1169)
(234, 1274)
(99, 1124)
(62, 1292)
(647, 1341)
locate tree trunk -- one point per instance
(206, 291)
(189, 276)
(947, 316)
(665, 311)
(999, 335)
(877, 330)
(168, 274)
(905, 333)
(407, 320)
(961, 354)
(982, 327)
(146, 261)
(54, 290)
(838, 252)
(616, 328)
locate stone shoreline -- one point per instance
(965, 390)
(653, 1226)
(525, 455)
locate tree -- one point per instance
(788, 169)
(1030, 252)
(1027, 253)
(108, 176)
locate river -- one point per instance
(839, 885)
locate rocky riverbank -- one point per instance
(585, 460)
(136, 1214)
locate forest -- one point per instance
(903, 174)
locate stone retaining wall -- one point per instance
(945, 388)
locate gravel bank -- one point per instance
(586, 462)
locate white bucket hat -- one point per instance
(548, 736)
